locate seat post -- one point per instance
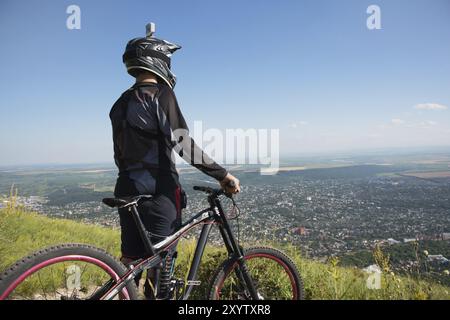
(142, 230)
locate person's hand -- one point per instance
(230, 184)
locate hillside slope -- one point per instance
(22, 232)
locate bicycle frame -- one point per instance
(207, 217)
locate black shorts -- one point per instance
(161, 216)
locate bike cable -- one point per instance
(238, 213)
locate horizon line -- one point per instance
(340, 153)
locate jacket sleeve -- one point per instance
(174, 126)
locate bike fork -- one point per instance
(235, 250)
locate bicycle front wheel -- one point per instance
(274, 276)
(64, 272)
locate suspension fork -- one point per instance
(235, 251)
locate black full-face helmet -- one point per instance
(150, 54)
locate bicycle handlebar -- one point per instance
(214, 191)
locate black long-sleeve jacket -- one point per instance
(148, 127)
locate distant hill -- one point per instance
(22, 232)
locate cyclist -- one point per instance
(148, 126)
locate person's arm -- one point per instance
(173, 124)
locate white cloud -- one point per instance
(411, 124)
(297, 124)
(397, 121)
(430, 106)
(427, 124)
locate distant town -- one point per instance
(324, 211)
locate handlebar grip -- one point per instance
(201, 188)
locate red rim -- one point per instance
(264, 255)
(48, 262)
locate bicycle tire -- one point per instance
(227, 267)
(34, 260)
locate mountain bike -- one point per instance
(83, 272)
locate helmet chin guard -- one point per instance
(151, 54)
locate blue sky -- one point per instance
(311, 69)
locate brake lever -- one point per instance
(231, 184)
(228, 195)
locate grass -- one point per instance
(22, 232)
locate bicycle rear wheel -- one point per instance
(274, 275)
(64, 272)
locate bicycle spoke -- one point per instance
(65, 278)
(81, 276)
(53, 282)
(42, 286)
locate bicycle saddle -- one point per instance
(124, 202)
